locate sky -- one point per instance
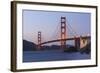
(48, 22)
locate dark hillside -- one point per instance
(28, 46)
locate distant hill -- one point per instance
(58, 47)
(52, 47)
(70, 49)
(28, 46)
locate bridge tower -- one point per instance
(63, 32)
(39, 40)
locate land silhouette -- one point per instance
(30, 46)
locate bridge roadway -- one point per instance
(73, 38)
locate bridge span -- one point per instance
(73, 38)
(80, 41)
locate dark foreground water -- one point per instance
(55, 55)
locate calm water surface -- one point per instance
(52, 55)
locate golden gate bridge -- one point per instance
(79, 40)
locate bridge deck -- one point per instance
(73, 38)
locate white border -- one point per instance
(21, 65)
